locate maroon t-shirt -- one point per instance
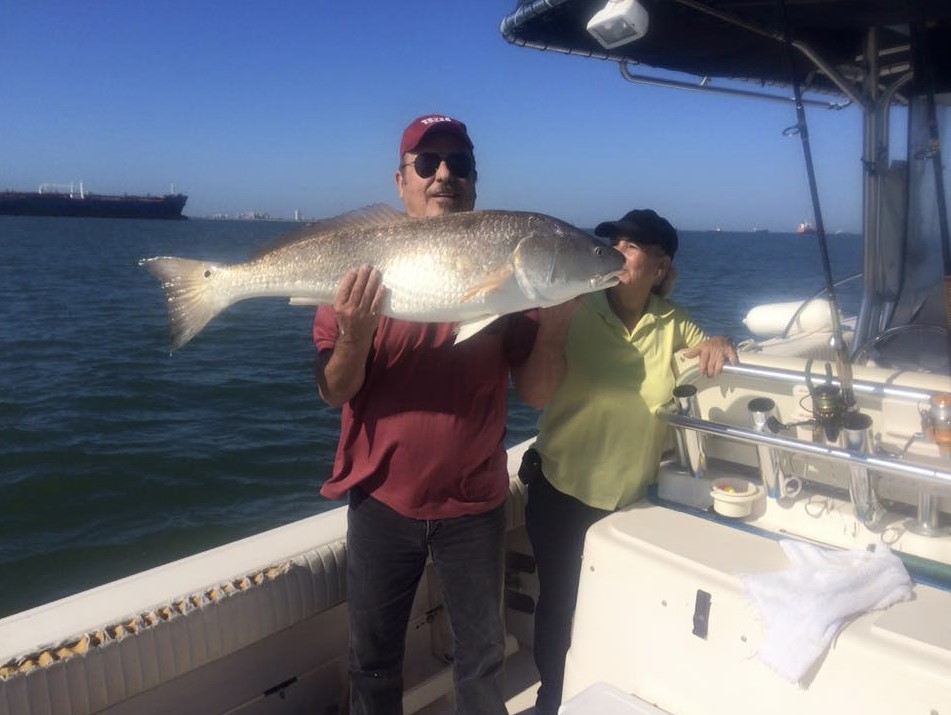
(424, 434)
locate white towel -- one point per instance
(805, 606)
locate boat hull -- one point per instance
(257, 626)
(168, 206)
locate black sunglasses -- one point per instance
(427, 163)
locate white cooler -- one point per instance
(605, 699)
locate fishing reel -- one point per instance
(936, 422)
(935, 427)
(828, 409)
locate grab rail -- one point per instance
(925, 475)
(858, 386)
(710, 89)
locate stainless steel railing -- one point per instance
(858, 386)
(926, 476)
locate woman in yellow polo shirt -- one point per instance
(599, 440)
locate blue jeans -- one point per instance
(556, 525)
(386, 555)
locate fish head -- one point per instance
(558, 262)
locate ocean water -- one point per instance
(116, 457)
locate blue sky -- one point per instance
(287, 106)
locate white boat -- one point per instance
(663, 623)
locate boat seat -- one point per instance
(116, 662)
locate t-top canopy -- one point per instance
(742, 39)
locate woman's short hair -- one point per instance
(666, 286)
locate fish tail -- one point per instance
(191, 292)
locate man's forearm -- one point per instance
(539, 377)
(340, 376)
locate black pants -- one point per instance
(386, 555)
(556, 525)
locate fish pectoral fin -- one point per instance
(470, 327)
(492, 283)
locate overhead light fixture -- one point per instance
(618, 22)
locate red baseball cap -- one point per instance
(421, 126)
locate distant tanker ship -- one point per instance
(53, 200)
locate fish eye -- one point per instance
(598, 251)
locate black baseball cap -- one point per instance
(642, 226)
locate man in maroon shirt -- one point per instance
(421, 453)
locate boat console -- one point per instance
(766, 453)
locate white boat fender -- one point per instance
(770, 320)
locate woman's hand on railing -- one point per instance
(714, 353)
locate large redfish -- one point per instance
(466, 267)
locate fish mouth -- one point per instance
(605, 280)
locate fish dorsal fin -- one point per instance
(366, 217)
(470, 327)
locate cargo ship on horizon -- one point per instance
(55, 200)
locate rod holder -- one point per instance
(927, 519)
(855, 436)
(690, 447)
(938, 423)
(936, 426)
(778, 485)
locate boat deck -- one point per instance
(521, 685)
